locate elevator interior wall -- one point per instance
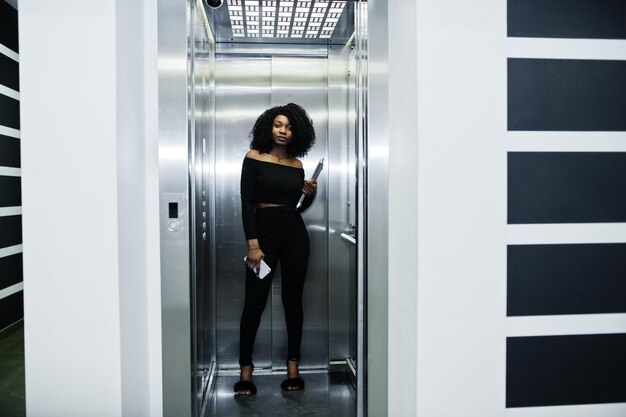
(245, 87)
(202, 208)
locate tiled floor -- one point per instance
(12, 399)
(325, 395)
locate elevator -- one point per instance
(213, 84)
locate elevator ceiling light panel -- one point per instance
(284, 19)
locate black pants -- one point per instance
(283, 237)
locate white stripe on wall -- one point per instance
(12, 3)
(566, 324)
(9, 92)
(566, 141)
(10, 211)
(528, 234)
(585, 410)
(8, 52)
(10, 172)
(11, 250)
(7, 131)
(566, 48)
(11, 290)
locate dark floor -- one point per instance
(12, 388)
(325, 395)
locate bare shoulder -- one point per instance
(253, 154)
(297, 163)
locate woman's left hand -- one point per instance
(310, 187)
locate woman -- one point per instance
(272, 181)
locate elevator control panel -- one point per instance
(173, 225)
(173, 210)
(174, 215)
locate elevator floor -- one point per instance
(325, 395)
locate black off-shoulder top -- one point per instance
(267, 182)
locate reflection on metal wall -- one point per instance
(341, 177)
(185, 80)
(305, 81)
(173, 185)
(202, 281)
(244, 88)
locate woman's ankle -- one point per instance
(293, 366)
(246, 372)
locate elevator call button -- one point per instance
(173, 225)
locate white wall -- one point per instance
(71, 287)
(462, 233)
(461, 218)
(92, 328)
(153, 243)
(403, 173)
(138, 235)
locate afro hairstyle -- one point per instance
(303, 133)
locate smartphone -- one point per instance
(265, 269)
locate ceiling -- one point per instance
(282, 21)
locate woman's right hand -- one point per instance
(254, 258)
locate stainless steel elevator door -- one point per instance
(245, 87)
(304, 80)
(243, 91)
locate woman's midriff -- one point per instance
(267, 205)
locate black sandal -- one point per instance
(292, 384)
(245, 386)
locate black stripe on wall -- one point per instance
(11, 309)
(566, 95)
(11, 227)
(10, 191)
(566, 187)
(11, 270)
(9, 112)
(599, 19)
(8, 26)
(9, 152)
(9, 72)
(565, 370)
(566, 279)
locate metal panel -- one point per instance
(184, 100)
(305, 81)
(173, 176)
(373, 213)
(202, 291)
(242, 94)
(267, 50)
(341, 177)
(353, 193)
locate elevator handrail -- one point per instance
(349, 237)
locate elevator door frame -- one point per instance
(173, 69)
